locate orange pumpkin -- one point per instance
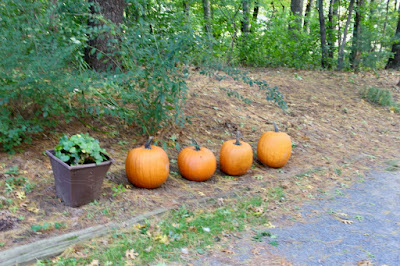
(274, 148)
(236, 156)
(196, 163)
(147, 166)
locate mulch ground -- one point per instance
(337, 136)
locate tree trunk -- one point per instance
(332, 25)
(324, 48)
(394, 62)
(296, 7)
(207, 16)
(104, 56)
(255, 10)
(355, 56)
(346, 27)
(385, 24)
(307, 15)
(246, 17)
(186, 9)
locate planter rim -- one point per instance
(50, 153)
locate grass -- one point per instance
(380, 97)
(181, 230)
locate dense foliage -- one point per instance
(44, 77)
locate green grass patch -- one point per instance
(392, 165)
(380, 97)
(181, 230)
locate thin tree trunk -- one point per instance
(246, 17)
(324, 48)
(103, 58)
(343, 44)
(394, 62)
(255, 10)
(332, 25)
(186, 9)
(385, 24)
(355, 56)
(207, 16)
(307, 15)
(339, 32)
(296, 7)
(273, 9)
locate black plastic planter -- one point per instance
(78, 185)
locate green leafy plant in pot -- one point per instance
(79, 166)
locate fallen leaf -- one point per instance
(162, 239)
(94, 263)
(33, 209)
(257, 210)
(131, 254)
(148, 249)
(364, 263)
(227, 251)
(345, 221)
(20, 194)
(269, 225)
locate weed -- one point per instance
(273, 243)
(393, 165)
(359, 217)
(277, 193)
(378, 96)
(339, 192)
(123, 142)
(118, 190)
(259, 235)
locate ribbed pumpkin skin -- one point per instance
(274, 149)
(235, 159)
(197, 165)
(147, 168)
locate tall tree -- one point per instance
(355, 55)
(343, 44)
(246, 16)
(322, 30)
(104, 57)
(296, 8)
(207, 16)
(307, 15)
(394, 62)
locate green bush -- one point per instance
(378, 96)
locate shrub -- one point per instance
(378, 96)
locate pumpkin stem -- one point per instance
(276, 127)
(237, 137)
(148, 143)
(196, 145)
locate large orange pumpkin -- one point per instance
(196, 163)
(236, 156)
(147, 166)
(274, 148)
